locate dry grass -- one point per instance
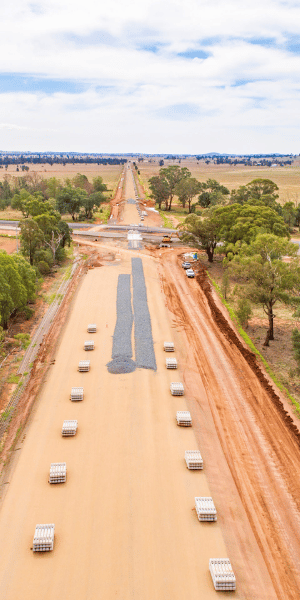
(287, 178)
(109, 173)
(10, 215)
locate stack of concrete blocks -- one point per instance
(193, 459)
(76, 394)
(43, 539)
(58, 473)
(171, 363)
(222, 574)
(169, 347)
(176, 388)
(205, 509)
(84, 366)
(69, 428)
(89, 345)
(183, 418)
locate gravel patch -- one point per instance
(144, 350)
(122, 348)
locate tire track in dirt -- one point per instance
(258, 437)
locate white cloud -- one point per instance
(249, 81)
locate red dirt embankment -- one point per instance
(39, 368)
(249, 356)
(258, 438)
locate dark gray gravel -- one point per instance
(122, 349)
(144, 350)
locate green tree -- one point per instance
(186, 190)
(244, 311)
(15, 284)
(173, 174)
(98, 185)
(69, 200)
(289, 214)
(20, 201)
(212, 193)
(82, 182)
(257, 188)
(159, 190)
(242, 223)
(266, 278)
(31, 238)
(65, 229)
(90, 202)
(53, 187)
(27, 274)
(296, 345)
(202, 233)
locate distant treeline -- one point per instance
(20, 159)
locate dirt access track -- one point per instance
(258, 439)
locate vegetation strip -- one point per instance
(249, 356)
(31, 357)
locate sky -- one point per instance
(174, 76)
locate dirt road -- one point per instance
(125, 524)
(125, 521)
(262, 454)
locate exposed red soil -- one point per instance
(258, 437)
(39, 368)
(8, 244)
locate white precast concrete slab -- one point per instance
(205, 508)
(77, 394)
(222, 574)
(58, 472)
(169, 346)
(43, 538)
(69, 427)
(89, 345)
(193, 459)
(84, 365)
(183, 418)
(171, 363)
(177, 388)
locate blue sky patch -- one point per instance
(263, 41)
(292, 44)
(241, 82)
(11, 82)
(193, 54)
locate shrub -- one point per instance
(23, 338)
(243, 312)
(43, 256)
(296, 344)
(60, 254)
(43, 267)
(28, 312)
(225, 287)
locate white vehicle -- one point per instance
(190, 273)
(186, 265)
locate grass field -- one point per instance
(109, 173)
(287, 178)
